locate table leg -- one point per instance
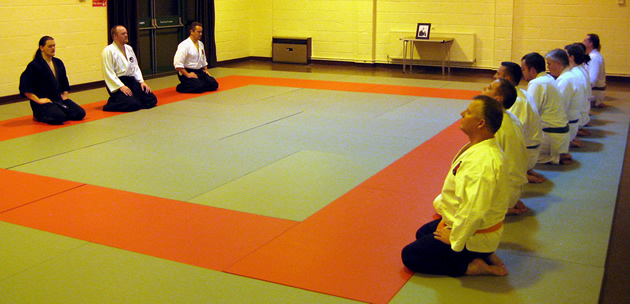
(443, 55)
(449, 57)
(413, 45)
(404, 55)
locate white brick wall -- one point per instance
(476, 16)
(233, 27)
(342, 28)
(261, 28)
(505, 29)
(79, 29)
(332, 23)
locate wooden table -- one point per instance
(446, 50)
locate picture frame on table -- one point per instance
(423, 31)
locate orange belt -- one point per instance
(493, 228)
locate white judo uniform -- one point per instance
(188, 56)
(553, 117)
(597, 73)
(121, 69)
(510, 139)
(116, 64)
(473, 197)
(585, 86)
(572, 94)
(193, 59)
(525, 109)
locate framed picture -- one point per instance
(423, 31)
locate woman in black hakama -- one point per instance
(45, 84)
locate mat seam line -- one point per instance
(42, 198)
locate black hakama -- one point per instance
(39, 79)
(119, 102)
(203, 82)
(431, 256)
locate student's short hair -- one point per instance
(113, 31)
(508, 91)
(594, 38)
(194, 25)
(536, 61)
(576, 51)
(492, 112)
(558, 55)
(513, 70)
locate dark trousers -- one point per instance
(430, 256)
(203, 83)
(119, 102)
(57, 112)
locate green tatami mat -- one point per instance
(27, 149)
(98, 274)
(530, 280)
(293, 188)
(29, 248)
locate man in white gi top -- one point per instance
(551, 108)
(510, 139)
(525, 109)
(191, 65)
(472, 204)
(596, 70)
(569, 85)
(126, 87)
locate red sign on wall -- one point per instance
(99, 2)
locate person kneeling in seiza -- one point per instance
(45, 84)
(472, 204)
(125, 85)
(191, 65)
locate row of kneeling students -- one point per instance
(510, 131)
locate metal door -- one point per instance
(161, 30)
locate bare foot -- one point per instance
(566, 159)
(480, 267)
(494, 259)
(535, 177)
(583, 132)
(577, 143)
(601, 106)
(518, 209)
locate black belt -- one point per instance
(128, 80)
(574, 121)
(533, 147)
(560, 130)
(599, 88)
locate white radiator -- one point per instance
(462, 50)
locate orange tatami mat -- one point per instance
(23, 126)
(22, 188)
(198, 235)
(424, 92)
(350, 248)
